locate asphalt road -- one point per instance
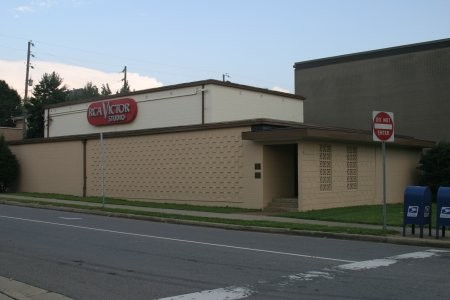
(94, 257)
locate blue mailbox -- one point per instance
(443, 209)
(417, 208)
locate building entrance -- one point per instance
(281, 177)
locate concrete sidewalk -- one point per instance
(14, 290)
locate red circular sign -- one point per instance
(383, 126)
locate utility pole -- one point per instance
(28, 82)
(126, 87)
(124, 74)
(225, 75)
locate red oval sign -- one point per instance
(110, 112)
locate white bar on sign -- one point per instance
(382, 126)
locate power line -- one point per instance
(107, 56)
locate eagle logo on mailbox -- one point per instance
(445, 213)
(412, 211)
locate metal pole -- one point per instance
(383, 153)
(102, 162)
(27, 74)
(25, 98)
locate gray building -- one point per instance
(413, 81)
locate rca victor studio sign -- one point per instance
(110, 112)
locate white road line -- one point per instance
(327, 273)
(311, 275)
(331, 273)
(416, 255)
(384, 262)
(180, 240)
(368, 264)
(67, 218)
(229, 293)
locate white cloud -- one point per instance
(23, 9)
(35, 5)
(279, 89)
(44, 3)
(13, 72)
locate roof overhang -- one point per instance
(316, 133)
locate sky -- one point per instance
(165, 42)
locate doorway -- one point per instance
(280, 174)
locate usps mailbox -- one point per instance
(443, 209)
(417, 208)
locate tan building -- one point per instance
(211, 143)
(11, 134)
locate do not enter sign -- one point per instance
(383, 126)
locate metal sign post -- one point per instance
(383, 131)
(383, 153)
(102, 162)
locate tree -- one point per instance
(9, 166)
(10, 105)
(89, 91)
(435, 166)
(105, 90)
(125, 88)
(49, 91)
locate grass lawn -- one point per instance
(367, 214)
(216, 209)
(243, 223)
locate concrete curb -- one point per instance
(425, 242)
(11, 289)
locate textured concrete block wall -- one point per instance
(211, 167)
(311, 195)
(203, 166)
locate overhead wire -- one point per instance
(42, 54)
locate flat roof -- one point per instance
(183, 85)
(404, 49)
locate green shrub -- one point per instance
(435, 167)
(9, 167)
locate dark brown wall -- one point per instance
(414, 85)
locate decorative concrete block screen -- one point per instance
(189, 166)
